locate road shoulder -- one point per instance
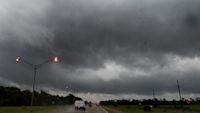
(110, 110)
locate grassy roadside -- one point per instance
(136, 109)
(194, 107)
(36, 109)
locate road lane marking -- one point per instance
(104, 110)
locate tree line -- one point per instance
(154, 102)
(12, 96)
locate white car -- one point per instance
(79, 105)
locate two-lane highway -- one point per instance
(93, 109)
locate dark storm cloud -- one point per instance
(125, 27)
(89, 34)
(115, 31)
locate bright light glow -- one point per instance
(55, 59)
(17, 59)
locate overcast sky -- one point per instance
(107, 47)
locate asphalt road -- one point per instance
(93, 109)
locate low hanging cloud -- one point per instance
(106, 47)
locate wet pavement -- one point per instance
(93, 109)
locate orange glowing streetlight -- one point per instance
(56, 59)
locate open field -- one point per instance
(161, 109)
(36, 109)
(194, 107)
(190, 107)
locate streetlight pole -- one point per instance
(35, 68)
(33, 89)
(179, 91)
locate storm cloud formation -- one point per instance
(108, 47)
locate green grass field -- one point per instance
(38, 109)
(194, 107)
(162, 109)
